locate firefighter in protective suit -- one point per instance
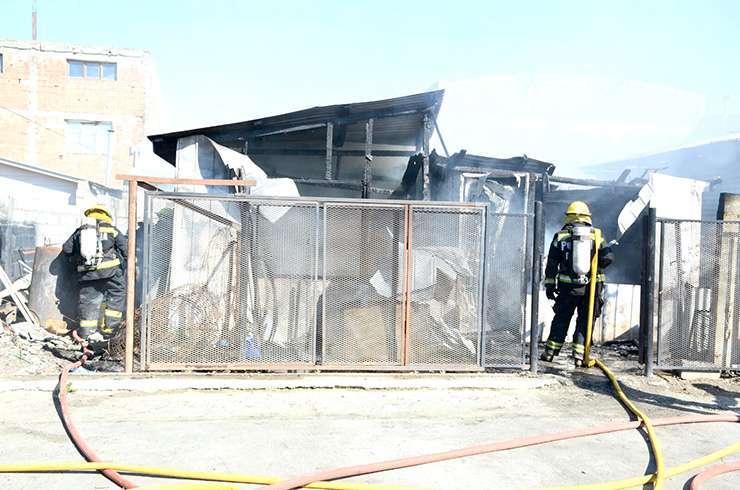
(567, 278)
(98, 251)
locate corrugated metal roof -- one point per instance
(396, 119)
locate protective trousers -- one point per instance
(111, 293)
(565, 305)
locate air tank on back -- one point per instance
(582, 244)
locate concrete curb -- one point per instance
(160, 383)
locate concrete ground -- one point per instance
(291, 424)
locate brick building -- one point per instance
(77, 110)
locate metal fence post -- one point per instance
(649, 285)
(539, 239)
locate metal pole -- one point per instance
(538, 248)
(368, 171)
(130, 277)
(642, 332)
(649, 283)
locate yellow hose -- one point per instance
(670, 472)
(591, 299)
(186, 475)
(660, 472)
(659, 475)
(191, 486)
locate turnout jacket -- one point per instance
(559, 269)
(114, 248)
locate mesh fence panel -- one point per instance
(284, 259)
(444, 316)
(230, 282)
(507, 273)
(240, 282)
(363, 270)
(188, 314)
(698, 297)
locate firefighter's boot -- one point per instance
(579, 351)
(552, 349)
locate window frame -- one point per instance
(77, 147)
(101, 66)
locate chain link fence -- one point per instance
(234, 282)
(698, 295)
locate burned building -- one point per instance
(380, 151)
(347, 150)
(340, 236)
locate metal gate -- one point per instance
(234, 282)
(698, 294)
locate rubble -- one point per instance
(25, 351)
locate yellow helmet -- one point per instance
(578, 207)
(97, 209)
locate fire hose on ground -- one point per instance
(412, 461)
(321, 479)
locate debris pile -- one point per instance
(27, 347)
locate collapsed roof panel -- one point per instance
(397, 122)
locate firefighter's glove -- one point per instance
(550, 292)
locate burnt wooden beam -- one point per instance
(329, 173)
(591, 182)
(322, 152)
(425, 151)
(441, 139)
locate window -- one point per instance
(1, 62)
(87, 136)
(92, 69)
(109, 71)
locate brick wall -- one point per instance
(37, 97)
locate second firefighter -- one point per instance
(567, 278)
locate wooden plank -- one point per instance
(130, 276)
(20, 301)
(164, 180)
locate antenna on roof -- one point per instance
(34, 16)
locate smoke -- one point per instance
(569, 120)
(716, 161)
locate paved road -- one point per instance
(289, 431)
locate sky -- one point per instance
(573, 82)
